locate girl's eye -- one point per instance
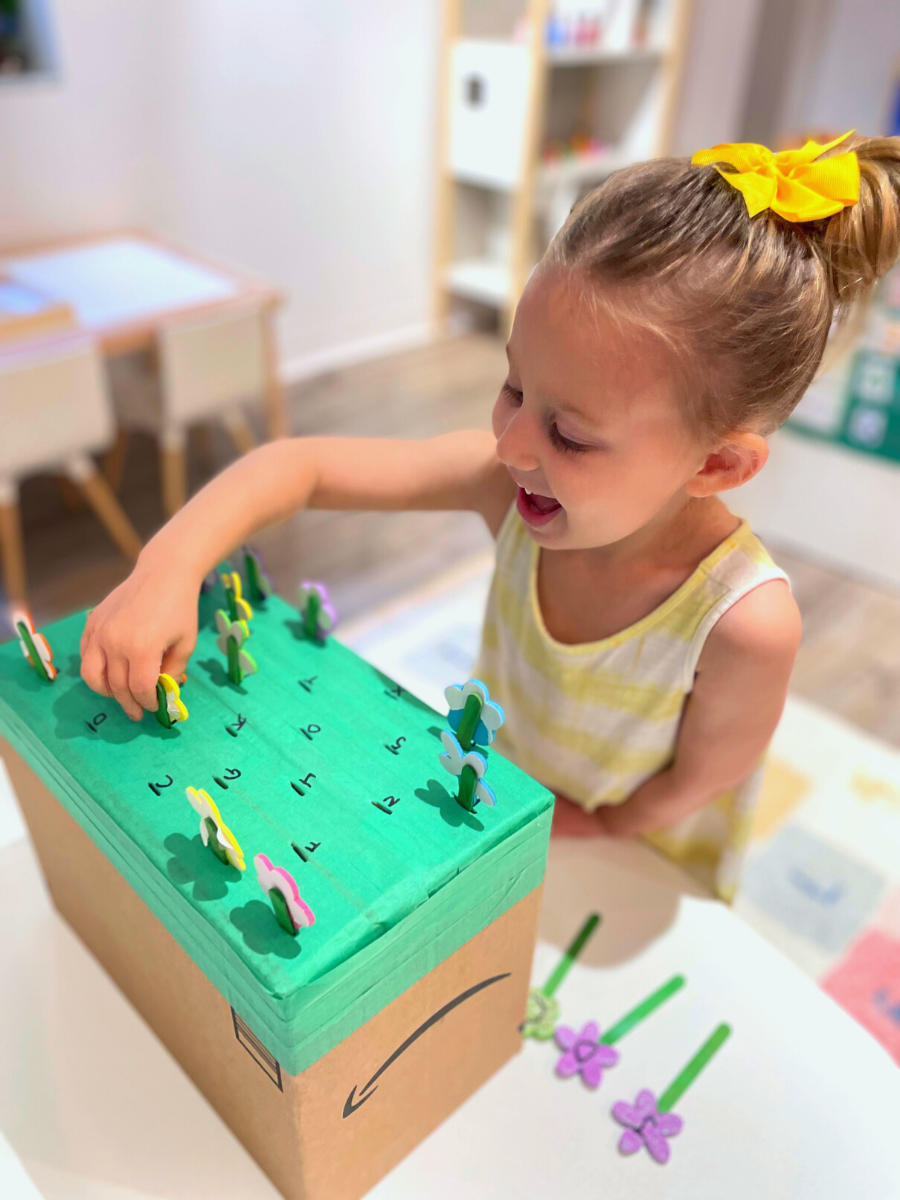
(511, 393)
(564, 443)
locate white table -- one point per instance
(800, 1102)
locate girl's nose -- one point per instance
(517, 444)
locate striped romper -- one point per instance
(594, 721)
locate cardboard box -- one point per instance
(331, 1076)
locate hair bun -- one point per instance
(861, 243)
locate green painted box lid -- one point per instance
(397, 874)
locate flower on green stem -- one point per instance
(490, 718)
(454, 760)
(34, 646)
(211, 824)
(319, 617)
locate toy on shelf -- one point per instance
(215, 833)
(232, 635)
(475, 719)
(35, 647)
(587, 1054)
(259, 585)
(650, 1122)
(542, 1012)
(319, 617)
(170, 708)
(291, 911)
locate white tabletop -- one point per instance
(119, 280)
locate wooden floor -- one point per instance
(849, 661)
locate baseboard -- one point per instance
(346, 354)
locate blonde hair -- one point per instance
(747, 303)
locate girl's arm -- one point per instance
(730, 716)
(149, 623)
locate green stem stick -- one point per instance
(258, 589)
(685, 1078)
(32, 652)
(468, 721)
(644, 1009)
(311, 617)
(213, 842)
(282, 913)
(575, 948)
(162, 707)
(467, 782)
(229, 600)
(235, 674)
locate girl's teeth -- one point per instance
(528, 492)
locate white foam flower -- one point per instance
(239, 630)
(206, 807)
(38, 641)
(490, 718)
(453, 760)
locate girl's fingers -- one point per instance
(117, 676)
(93, 671)
(142, 679)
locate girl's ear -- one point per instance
(736, 459)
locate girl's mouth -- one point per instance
(536, 510)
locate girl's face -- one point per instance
(587, 420)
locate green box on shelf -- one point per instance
(319, 753)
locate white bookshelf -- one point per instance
(528, 125)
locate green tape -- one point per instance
(575, 948)
(685, 1078)
(642, 1010)
(393, 895)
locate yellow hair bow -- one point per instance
(790, 183)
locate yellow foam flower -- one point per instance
(204, 804)
(232, 582)
(799, 185)
(175, 706)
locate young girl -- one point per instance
(637, 634)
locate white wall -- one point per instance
(293, 138)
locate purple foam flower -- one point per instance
(646, 1126)
(584, 1054)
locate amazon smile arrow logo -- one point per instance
(351, 1104)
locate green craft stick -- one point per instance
(230, 601)
(213, 842)
(235, 674)
(468, 721)
(282, 914)
(467, 782)
(644, 1009)
(36, 659)
(311, 617)
(685, 1078)
(575, 948)
(259, 590)
(162, 707)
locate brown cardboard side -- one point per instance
(295, 1126)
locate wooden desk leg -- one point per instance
(102, 500)
(114, 460)
(276, 411)
(12, 551)
(173, 469)
(238, 428)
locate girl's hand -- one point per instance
(570, 820)
(147, 625)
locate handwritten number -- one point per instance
(394, 692)
(310, 730)
(235, 729)
(306, 684)
(232, 773)
(98, 720)
(154, 787)
(395, 749)
(312, 846)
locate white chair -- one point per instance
(210, 366)
(54, 411)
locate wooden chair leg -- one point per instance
(113, 465)
(173, 468)
(12, 552)
(103, 501)
(238, 429)
(276, 411)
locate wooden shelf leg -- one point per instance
(12, 549)
(173, 470)
(276, 410)
(114, 460)
(102, 500)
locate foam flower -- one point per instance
(293, 910)
(454, 760)
(490, 718)
(236, 632)
(171, 707)
(259, 584)
(35, 646)
(211, 825)
(238, 607)
(541, 1014)
(319, 617)
(646, 1126)
(584, 1053)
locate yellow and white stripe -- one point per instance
(596, 720)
